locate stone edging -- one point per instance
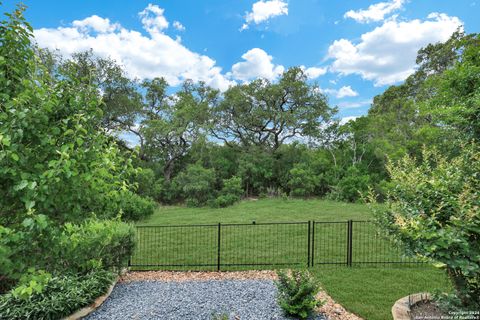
(401, 308)
(83, 312)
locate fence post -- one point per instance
(218, 247)
(349, 242)
(313, 244)
(308, 245)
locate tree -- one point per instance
(54, 157)
(266, 115)
(121, 100)
(172, 124)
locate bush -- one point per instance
(302, 181)
(95, 244)
(197, 184)
(145, 180)
(352, 186)
(60, 297)
(135, 207)
(296, 293)
(231, 192)
(434, 211)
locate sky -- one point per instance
(352, 49)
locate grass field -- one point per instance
(367, 291)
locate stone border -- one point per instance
(401, 308)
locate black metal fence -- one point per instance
(258, 245)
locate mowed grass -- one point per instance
(367, 291)
(262, 210)
(371, 292)
(169, 239)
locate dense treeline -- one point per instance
(278, 138)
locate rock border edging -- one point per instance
(401, 308)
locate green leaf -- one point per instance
(21, 185)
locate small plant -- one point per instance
(296, 293)
(219, 316)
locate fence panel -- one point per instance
(176, 247)
(234, 246)
(369, 246)
(329, 243)
(264, 244)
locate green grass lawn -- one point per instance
(367, 291)
(263, 210)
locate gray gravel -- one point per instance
(239, 299)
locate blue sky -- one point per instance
(352, 49)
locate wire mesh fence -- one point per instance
(263, 245)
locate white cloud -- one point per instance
(314, 72)
(257, 64)
(375, 12)
(264, 10)
(144, 56)
(96, 23)
(387, 54)
(153, 19)
(345, 91)
(345, 120)
(354, 105)
(177, 25)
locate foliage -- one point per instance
(296, 293)
(196, 184)
(351, 186)
(61, 296)
(75, 248)
(434, 211)
(230, 193)
(135, 207)
(302, 181)
(266, 114)
(54, 157)
(95, 244)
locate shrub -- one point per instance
(60, 297)
(434, 211)
(197, 184)
(351, 186)
(135, 207)
(296, 293)
(302, 181)
(95, 244)
(231, 192)
(145, 180)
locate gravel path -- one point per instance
(239, 299)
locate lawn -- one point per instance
(367, 291)
(263, 210)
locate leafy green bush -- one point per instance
(296, 293)
(145, 180)
(135, 207)
(302, 181)
(352, 186)
(197, 184)
(231, 192)
(434, 211)
(94, 244)
(60, 297)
